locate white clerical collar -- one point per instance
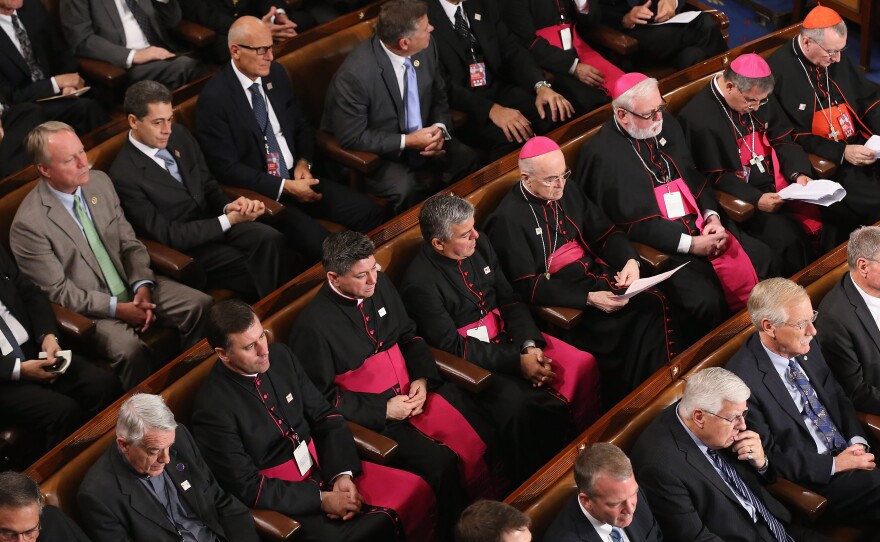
(359, 300)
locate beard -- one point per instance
(645, 133)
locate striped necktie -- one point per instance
(815, 410)
(114, 282)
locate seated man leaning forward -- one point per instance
(128, 494)
(560, 249)
(462, 303)
(276, 443)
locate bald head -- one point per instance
(247, 37)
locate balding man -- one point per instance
(255, 135)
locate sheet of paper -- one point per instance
(873, 143)
(820, 192)
(79, 92)
(641, 285)
(682, 18)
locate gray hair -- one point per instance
(818, 34)
(341, 250)
(399, 19)
(745, 84)
(709, 388)
(19, 491)
(440, 213)
(598, 459)
(140, 413)
(769, 299)
(639, 90)
(38, 139)
(864, 243)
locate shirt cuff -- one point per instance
(684, 244)
(574, 66)
(402, 142)
(583, 6)
(224, 223)
(709, 214)
(527, 344)
(280, 190)
(130, 60)
(446, 135)
(860, 440)
(112, 309)
(343, 473)
(16, 370)
(55, 88)
(140, 283)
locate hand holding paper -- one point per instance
(641, 285)
(819, 191)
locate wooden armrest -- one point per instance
(613, 40)
(655, 260)
(73, 323)
(101, 72)
(195, 34)
(720, 17)
(871, 422)
(272, 525)
(462, 372)
(371, 445)
(822, 168)
(561, 317)
(364, 162)
(812, 505)
(167, 261)
(273, 208)
(737, 209)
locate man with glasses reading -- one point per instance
(832, 106)
(23, 516)
(806, 421)
(639, 170)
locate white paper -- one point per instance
(640, 285)
(72, 95)
(819, 192)
(873, 143)
(682, 18)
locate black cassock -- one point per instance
(330, 337)
(803, 92)
(239, 439)
(630, 343)
(533, 423)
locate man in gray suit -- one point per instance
(71, 239)
(389, 98)
(131, 34)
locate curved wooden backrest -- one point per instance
(8, 207)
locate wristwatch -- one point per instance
(540, 84)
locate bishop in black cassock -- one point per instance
(832, 106)
(560, 249)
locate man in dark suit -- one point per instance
(492, 77)
(255, 135)
(608, 503)
(389, 98)
(806, 421)
(135, 35)
(52, 404)
(703, 470)
(128, 494)
(493, 521)
(16, 121)
(169, 195)
(22, 513)
(848, 317)
(35, 64)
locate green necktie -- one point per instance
(111, 276)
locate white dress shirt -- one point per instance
(872, 302)
(135, 39)
(6, 25)
(20, 334)
(603, 529)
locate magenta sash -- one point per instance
(733, 267)
(439, 421)
(289, 470)
(577, 372)
(806, 213)
(571, 251)
(585, 53)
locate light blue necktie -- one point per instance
(411, 98)
(615, 535)
(815, 410)
(170, 164)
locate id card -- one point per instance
(478, 74)
(303, 458)
(565, 37)
(481, 333)
(674, 205)
(846, 125)
(272, 161)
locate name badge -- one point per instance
(478, 74)
(289, 397)
(480, 333)
(674, 205)
(272, 161)
(185, 485)
(565, 37)
(303, 458)
(382, 312)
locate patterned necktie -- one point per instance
(814, 408)
(615, 535)
(16, 351)
(262, 115)
(733, 480)
(170, 164)
(111, 276)
(462, 28)
(411, 95)
(143, 21)
(26, 50)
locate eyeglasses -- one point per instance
(12, 536)
(830, 54)
(552, 181)
(651, 115)
(802, 325)
(261, 50)
(753, 101)
(734, 420)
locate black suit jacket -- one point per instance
(115, 506)
(27, 303)
(851, 344)
(181, 216)
(233, 141)
(689, 497)
(774, 416)
(218, 15)
(50, 50)
(571, 525)
(506, 59)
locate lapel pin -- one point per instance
(268, 86)
(416, 63)
(486, 270)
(289, 397)
(478, 17)
(94, 200)
(662, 141)
(802, 107)
(180, 467)
(177, 153)
(185, 485)
(382, 312)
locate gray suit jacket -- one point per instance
(364, 108)
(52, 251)
(93, 28)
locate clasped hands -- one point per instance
(343, 501)
(402, 407)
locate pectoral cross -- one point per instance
(833, 133)
(757, 160)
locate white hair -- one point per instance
(709, 388)
(140, 413)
